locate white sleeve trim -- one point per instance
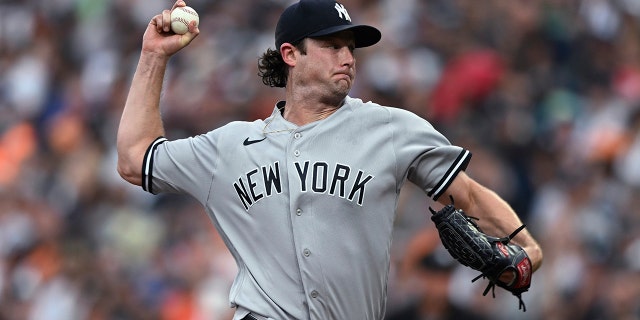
(458, 165)
(147, 164)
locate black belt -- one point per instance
(249, 317)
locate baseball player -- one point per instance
(305, 199)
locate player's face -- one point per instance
(329, 67)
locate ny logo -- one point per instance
(342, 12)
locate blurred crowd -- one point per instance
(545, 93)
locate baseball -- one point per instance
(181, 17)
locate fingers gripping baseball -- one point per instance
(161, 39)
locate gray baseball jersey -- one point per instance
(307, 212)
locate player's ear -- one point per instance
(287, 51)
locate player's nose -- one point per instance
(346, 57)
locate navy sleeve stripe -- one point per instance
(147, 164)
(459, 164)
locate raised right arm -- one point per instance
(141, 122)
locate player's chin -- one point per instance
(342, 90)
(344, 84)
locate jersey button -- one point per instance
(306, 252)
(297, 135)
(314, 294)
(299, 212)
(296, 153)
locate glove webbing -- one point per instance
(492, 285)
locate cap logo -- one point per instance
(342, 12)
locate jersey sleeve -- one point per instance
(180, 166)
(426, 157)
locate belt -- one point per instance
(250, 317)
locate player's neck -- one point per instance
(301, 111)
(300, 117)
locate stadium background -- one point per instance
(546, 93)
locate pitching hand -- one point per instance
(159, 39)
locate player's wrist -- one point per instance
(152, 57)
(535, 255)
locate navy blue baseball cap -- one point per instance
(316, 18)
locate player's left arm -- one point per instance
(496, 217)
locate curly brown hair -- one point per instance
(272, 69)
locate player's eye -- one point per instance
(331, 45)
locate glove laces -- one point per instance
(492, 285)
